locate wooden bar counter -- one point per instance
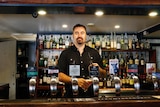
(106, 98)
(47, 103)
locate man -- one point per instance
(82, 57)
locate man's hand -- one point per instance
(83, 83)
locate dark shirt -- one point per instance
(72, 56)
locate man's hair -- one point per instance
(79, 25)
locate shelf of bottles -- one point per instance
(126, 48)
(49, 48)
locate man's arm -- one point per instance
(64, 78)
(67, 79)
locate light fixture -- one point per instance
(117, 26)
(99, 13)
(152, 14)
(42, 12)
(90, 24)
(64, 25)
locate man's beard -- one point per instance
(80, 40)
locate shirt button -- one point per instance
(82, 68)
(81, 62)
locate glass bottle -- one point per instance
(67, 42)
(98, 42)
(118, 43)
(51, 42)
(108, 43)
(131, 58)
(136, 60)
(103, 42)
(142, 61)
(60, 42)
(93, 43)
(126, 41)
(45, 42)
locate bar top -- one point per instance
(139, 101)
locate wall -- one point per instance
(157, 51)
(8, 65)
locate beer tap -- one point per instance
(32, 86)
(74, 86)
(117, 85)
(136, 84)
(95, 86)
(155, 83)
(53, 85)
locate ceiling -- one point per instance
(17, 22)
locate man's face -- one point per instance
(79, 35)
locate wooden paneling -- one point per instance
(111, 2)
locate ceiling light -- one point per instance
(117, 26)
(64, 26)
(99, 13)
(153, 14)
(41, 12)
(90, 24)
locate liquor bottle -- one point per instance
(121, 59)
(70, 41)
(114, 41)
(131, 81)
(124, 81)
(130, 42)
(51, 42)
(98, 42)
(54, 44)
(136, 60)
(147, 44)
(67, 42)
(108, 43)
(41, 79)
(103, 42)
(118, 43)
(45, 42)
(93, 43)
(41, 62)
(108, 84)
(131, 58)
(137, 44)
(45, 77)
(104, 60)
(105, 83)
(60, 42)
(141, 44)
(126, 41)
(122, 42)
(142, 61)
(45, 62)
(127, 59)
(133, 43)
(41, 42)
(100, 82)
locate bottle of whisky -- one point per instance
(131, 58)
(142, 61)
(136, 60)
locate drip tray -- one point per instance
(106, 98)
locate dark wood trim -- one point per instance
(45, 103)
(108, 2)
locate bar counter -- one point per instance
(106, 98)
(49, 103)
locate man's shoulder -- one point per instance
(90, 49)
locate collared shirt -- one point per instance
(72, 56)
